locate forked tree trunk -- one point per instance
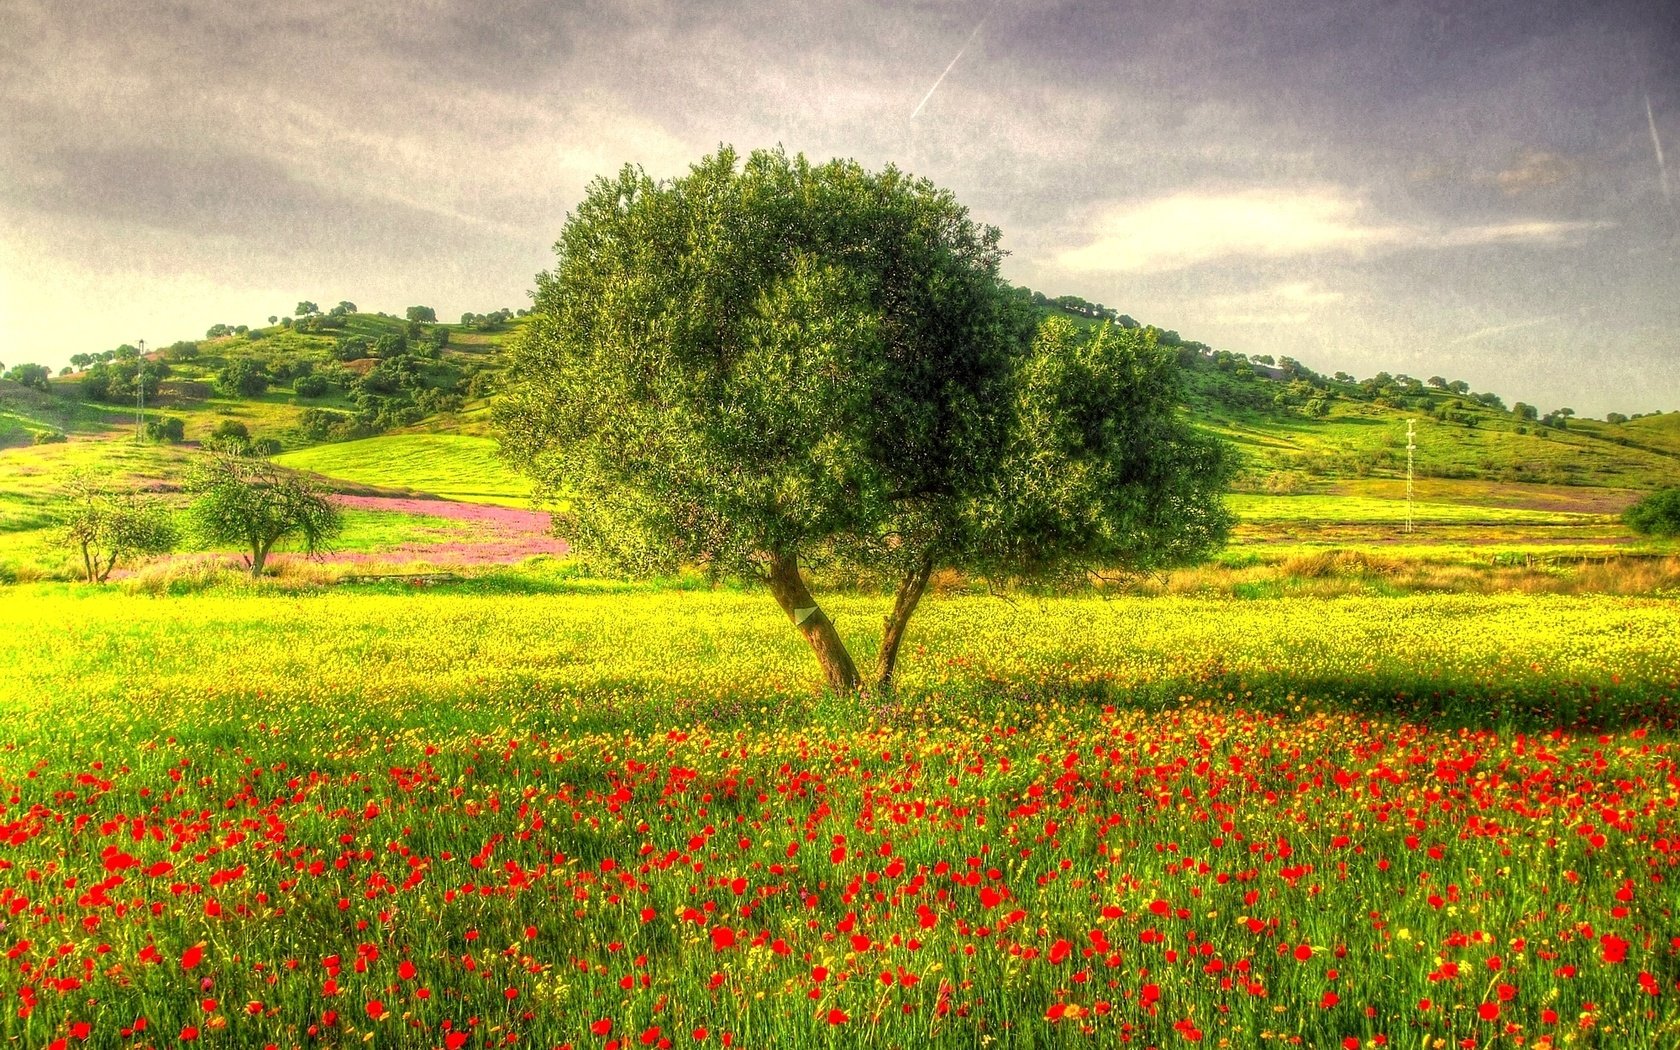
(260, 558)
(794, 597)
(910, 590)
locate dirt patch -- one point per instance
(498, 535)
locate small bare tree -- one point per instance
(105, 525)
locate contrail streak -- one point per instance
(1499, 329)
(1656, 142)
(978, 26)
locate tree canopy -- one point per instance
(1658, 514)
(246, 500)
(104, 525)
(768, 365)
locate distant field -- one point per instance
(1330, 507)
(453, 466)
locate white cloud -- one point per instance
(1291, 302)
(1193, 227)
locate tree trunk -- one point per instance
(904, 604)
(87, 564)
(261, 556)
(794, 597)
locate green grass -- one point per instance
(398, 816)
(453, 466)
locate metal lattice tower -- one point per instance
(140, 395)
(1411, 446)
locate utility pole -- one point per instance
(140, 395)
(1411, 446)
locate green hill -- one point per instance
(370, 400)
(454, 466)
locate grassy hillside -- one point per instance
(368, 400)
(372, 374)
(454, 466)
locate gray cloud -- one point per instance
(1411, 172)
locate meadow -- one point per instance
(1347, 784)
(613, 816)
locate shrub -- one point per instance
(50, 437)
(310, 386)
(1658, 514)
(166, 428)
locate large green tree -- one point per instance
(767, 365)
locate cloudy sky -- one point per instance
(1474, 188)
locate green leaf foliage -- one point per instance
(1658, 514)
(758, 357)
(248, 501)
(770, 362)
(1103, 472)
(104, 526)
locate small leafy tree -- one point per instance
(31, 375)
(1658, 514)
(243, 377)
(170, 429)
(104, 526)
(248, 501)
(423, 314)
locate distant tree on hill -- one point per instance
(343, 309)
(1615, 417)
(31, 375)
(118, 381)
(248, 501)
(1658, 514)
(306, 309)
(243, 377)
(230, 430)
(273, 318)
(1524, 410)
(310, 386)
(105, 525)
(1438, 382)
(423, 314)
(1459, 386)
